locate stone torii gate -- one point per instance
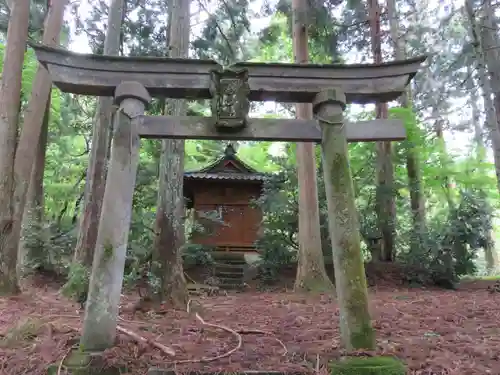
(132, 81)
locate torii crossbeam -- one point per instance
(328, 87)
(194, 79)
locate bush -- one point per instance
(272, 260)
(449, 248)
(49, 246)
(279, 202)
(195, 254)
(77, 285)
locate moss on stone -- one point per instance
(78, 359)
(52, 369)
(355, 322)
(364, 337)
(79, 362)
(367, 366)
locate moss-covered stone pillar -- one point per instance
(350, 279)
(99, 327)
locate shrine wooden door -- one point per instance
(238, 227)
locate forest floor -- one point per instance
(433, 331)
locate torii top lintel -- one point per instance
(99, 75)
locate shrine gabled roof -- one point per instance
(228, 167)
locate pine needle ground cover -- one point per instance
(432, 331)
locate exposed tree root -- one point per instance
(191, 280)
(163, 348)
(236, 333)
(224, 328)
(260, 332)
(61, 363)
(136, 337)
(170, 351)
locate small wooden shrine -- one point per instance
(225, 189)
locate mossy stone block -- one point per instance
(52, 369)
(79, 362)
(367, 366)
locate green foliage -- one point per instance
(49, 245)
(323, 31)
(195, 254)
(276, 42)
(279, 203)
(450, 248)
(38, 11)
(367, 366)
(139, 263)
(77, 285)
(138, 272)
(224, 32)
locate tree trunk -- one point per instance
(476, 112)
(350, 279)
(101, 312)
(10, 99)
(96, 171)
(386, 205)
(487, 47)
(169, 240)
(33, 123)
(491, 116)
(417, 199)
(490, 41)
(490, 254)
(32, 242)
(311, 272)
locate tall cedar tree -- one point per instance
(417, 199)
(10, 99)
(386, 205)
(311, 273)
(169, 240)
(34, 122)
(96, 171)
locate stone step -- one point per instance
(229, 265)
(230, 280)
(233, 262)
(228, 258)
(228, 269)
(228, 275)
(231, 285)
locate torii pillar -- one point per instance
(350, 278)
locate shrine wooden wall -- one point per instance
(232, 201)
